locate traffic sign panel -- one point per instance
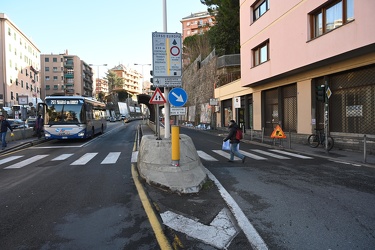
(166, 54)
(157, 97)
(177, 97)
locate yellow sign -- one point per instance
(278, 133)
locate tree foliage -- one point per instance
(113, 81)
(196, 45)
(224, 36)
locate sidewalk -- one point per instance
(20, 144)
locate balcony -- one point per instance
(69, 65)
(69, 75)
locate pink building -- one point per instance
(290, 49)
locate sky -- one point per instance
(100, 32)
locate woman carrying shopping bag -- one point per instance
(233, 127)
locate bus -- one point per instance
(72, 117)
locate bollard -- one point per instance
(364, 148)
(175, 145)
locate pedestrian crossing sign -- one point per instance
(278, 133)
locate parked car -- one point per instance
(17, 123)
(31, 122)
(112, 119)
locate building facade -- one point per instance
(196, 23)
(318, 76)
(19, 65)
(64, 74)
(132, 79)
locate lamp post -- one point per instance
(143, 76)
(98, 65)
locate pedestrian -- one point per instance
(3, 131)
(39, 123)
(233, 127)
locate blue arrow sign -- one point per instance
(177, 97)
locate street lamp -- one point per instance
(98, 65)
(143, 76)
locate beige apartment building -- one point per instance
(289, 51)
(132, 79)
(19, 65)
(64, 74)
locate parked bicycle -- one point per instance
(320, 138)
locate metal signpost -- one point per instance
(167, 65)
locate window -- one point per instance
(259, 8)
(260, 54)
(55, 78)
(21, 83)
(330, 17)
(54, 59)
(46, 59)
(47, 87)
(47, 78)
(54, 69)
(46, 68)
(55, 87)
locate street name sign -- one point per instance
(177, 97)
(157, 97)
(177, 111)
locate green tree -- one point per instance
(114, 81)
(224, 36)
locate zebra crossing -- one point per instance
(110, 158)
(255, 154)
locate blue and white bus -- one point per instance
(73, 117)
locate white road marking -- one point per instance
(134, 158)
(111, 158)
(225, 154)
(291, 154)
(253, 156)
(218, 234)
(62, 157)
(8, 159)
(251, 233)
(84, 159)
(270, 154)
(26, 162)
(205, 156)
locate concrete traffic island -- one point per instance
(155, 165)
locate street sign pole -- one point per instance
(157, 123)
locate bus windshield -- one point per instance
(61, 111)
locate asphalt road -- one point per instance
(73, 195)
(296, 201)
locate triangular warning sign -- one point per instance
(157, 97)
(278, 133)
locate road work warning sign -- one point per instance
(278, 133)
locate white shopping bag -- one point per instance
(226, 145)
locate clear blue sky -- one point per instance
(98, 31)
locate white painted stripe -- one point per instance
(225, 154)
(62, 157)
(205, 156)
(291, 154)
(250, 155)
(134, 158)
(111, 158)
(270, 154)
(84, 159)
(8, 159)
(26, 162)
(251, 233)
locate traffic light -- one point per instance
(151, 79)
(321, 93)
